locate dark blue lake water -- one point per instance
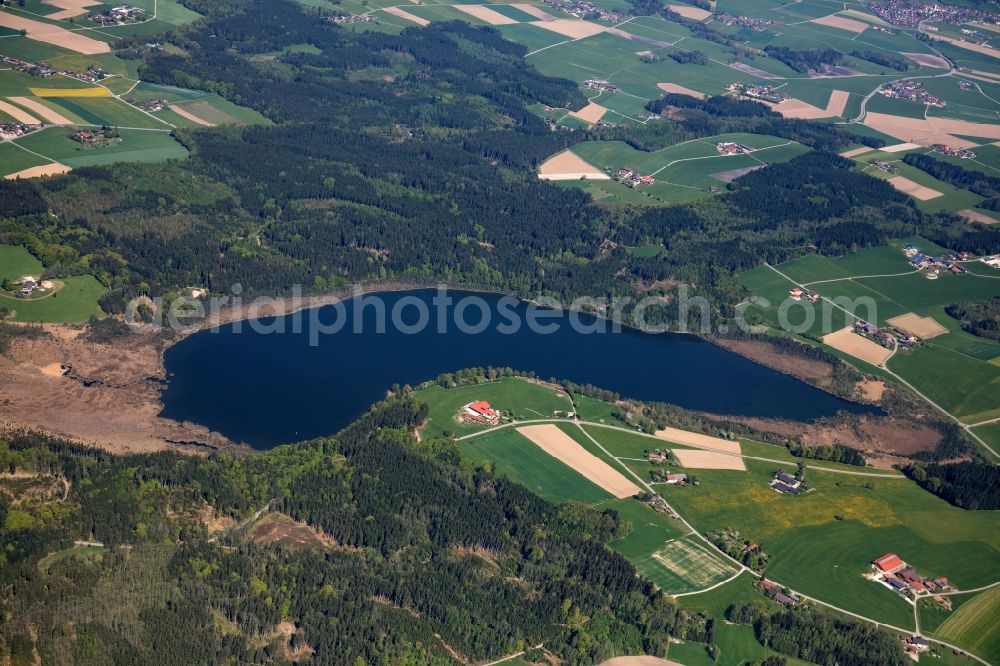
(268, 388)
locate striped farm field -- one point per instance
(71, 92)
(683, 566)
(974, 625)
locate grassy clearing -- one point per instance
(514, 456)
(87, 555)
(591, 409)
(16, 262)
(136, 146)
(737, 643)
(524, 399)
(687, 170)
(73, 303)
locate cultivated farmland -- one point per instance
(683, 566)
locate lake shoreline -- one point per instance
(136, 424)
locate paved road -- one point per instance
(885, 367)
(661, 440)
(740, 568)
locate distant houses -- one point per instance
(783, 482)
(798, 293)
(732, 148)
(28, 285)
(779, 594)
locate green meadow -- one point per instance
(16, 262)
(522, 398)
(685, 171)
(13, 159)
(821, 542)
(516, 457)
(737, 643)
(135, 146)
(72, 303)
(974, 625)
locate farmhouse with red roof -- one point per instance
(480, 412)
(888, 563)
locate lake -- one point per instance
(265, 388)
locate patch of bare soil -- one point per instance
(810, 370)
(874, 436)
(215, 522)
(871, 390)
(277, 528)
(108, 395)
(484, 554)
(104, 395)
(300, 652)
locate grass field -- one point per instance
(954, 369)
(974, 625)
(821, 542)
(16, 262)
(13, 159)
(687, 170)
(72, 303)
(737, 643)
(524, 399)
(683, 566)
(514, 456)
(650, 530)
(136, 146)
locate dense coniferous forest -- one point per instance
(806, 59)
(422, 558)
(409, 158)
(982, 319)
(898, 63)
(970, 485)
(807, 634)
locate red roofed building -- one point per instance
(888, 563)
(481, 412)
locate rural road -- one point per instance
(581, 422)
(885, 366)
(740, 568)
